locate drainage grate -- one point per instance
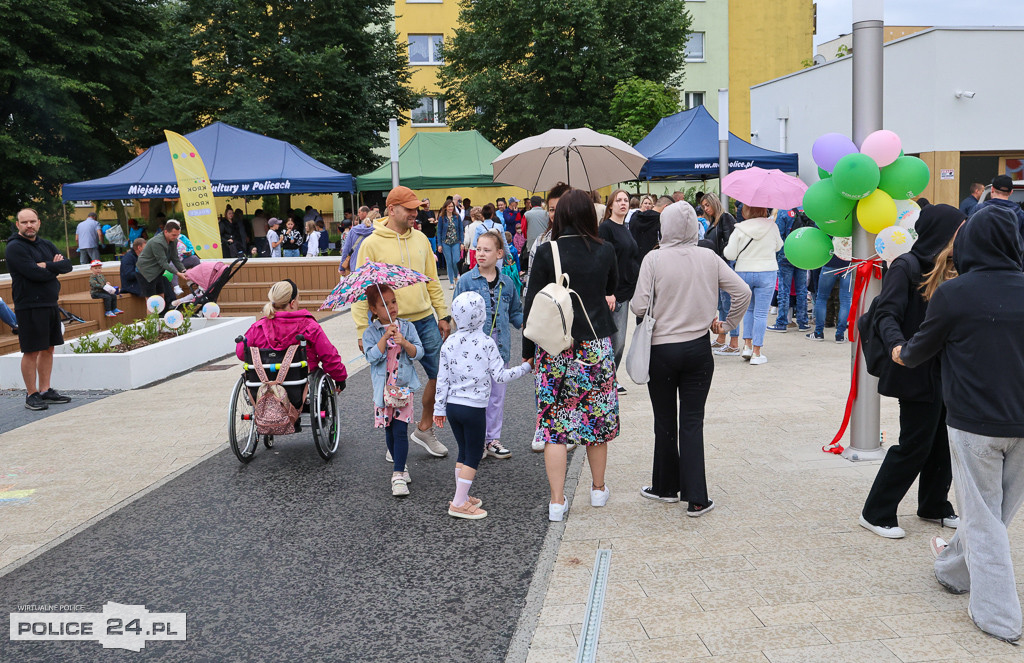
(587, 652)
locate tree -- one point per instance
(324, 75)
(509, 82)
(68, 72)
(637, 105)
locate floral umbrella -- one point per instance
(353, 287)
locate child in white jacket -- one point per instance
(469, 359)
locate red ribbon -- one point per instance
(865, 271)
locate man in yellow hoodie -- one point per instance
(396, 242)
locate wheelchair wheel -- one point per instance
(323, 414)
(242, 423)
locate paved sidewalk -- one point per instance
(780, 571)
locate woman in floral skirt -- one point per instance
(576, 390)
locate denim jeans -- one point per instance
(7, 315)
(452, 253)
(724, 302)
(787, 273)
(292, 253)
(825, 283)
(755, 320)
(988, 473)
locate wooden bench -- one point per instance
(84, 306)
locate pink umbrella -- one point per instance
(758, 187)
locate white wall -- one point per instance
(922, 73)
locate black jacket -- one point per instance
(130, 274)
(719, 235)
(593, 274)
(901, 308)
(626, 254)
(974, 324)
(646, 230)
(33, 286)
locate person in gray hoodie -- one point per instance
(679, 284)
(753, 245)
(469, 360)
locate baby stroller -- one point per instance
(208, 278)
(313, 393)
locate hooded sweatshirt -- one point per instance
(33, 286)
(683, 279)
(411, 250)
(901, 308)
(470, 358)
(279, 332)
(753, 245)
(974, 324)
(646, 230)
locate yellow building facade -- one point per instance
(423, 27)
(766, 40)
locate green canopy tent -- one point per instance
(442, 160)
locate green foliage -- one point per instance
(69, 71)
(562, 64)
(323, 74)
(89, 344)
(125, 334)
(187, 312)
(637, 105)
(149, 328)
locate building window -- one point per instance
(694, 99)
(430, 113)
(425, 49)
(695, 47)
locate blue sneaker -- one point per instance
(782, 329)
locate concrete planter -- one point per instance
(208, 340)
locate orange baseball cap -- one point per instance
(404, 197)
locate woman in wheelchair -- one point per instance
(282, 321)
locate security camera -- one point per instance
(964, 93)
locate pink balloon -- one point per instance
(830, 148)
(883, 146)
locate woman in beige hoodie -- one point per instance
(753, 245)
(679, 282)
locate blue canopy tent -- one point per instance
(684, 146)
(240, 163)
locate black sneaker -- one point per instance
(14, 330)
(815, 336)
(51, 396)
(35, 402)
(621, 390)
(697, 510)
(648, 492)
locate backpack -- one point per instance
(877, 359)
(274, 413)
(551, 316)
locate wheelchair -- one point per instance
(313, 394)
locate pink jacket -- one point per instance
(279, 332)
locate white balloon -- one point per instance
(211, 310)
(907, 212)
(155, 304)
(842, 248)
(173, 319)
(893, 242)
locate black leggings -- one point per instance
(469, 425)
(923, 449)
(683, 371)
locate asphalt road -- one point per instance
(290, 558)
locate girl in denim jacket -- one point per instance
(390, 344)
(504, 311)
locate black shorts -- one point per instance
(38, 328)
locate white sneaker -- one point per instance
(747, 352)
(726, 351)
(387, 456)
(399, 488)
(556, 512)
(887, 532)
(494, 449)
(759, 359)
(600, 497)
(949, 521)
(429, 441)
(538, 444)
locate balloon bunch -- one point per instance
(876, 181)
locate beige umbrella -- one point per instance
(582, 158)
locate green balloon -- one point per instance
(855, 176)
(832, 212)
(823, 174)
(905, 178)
(808, 248)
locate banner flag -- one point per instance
(196, 196)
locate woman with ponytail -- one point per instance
(282, 321)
